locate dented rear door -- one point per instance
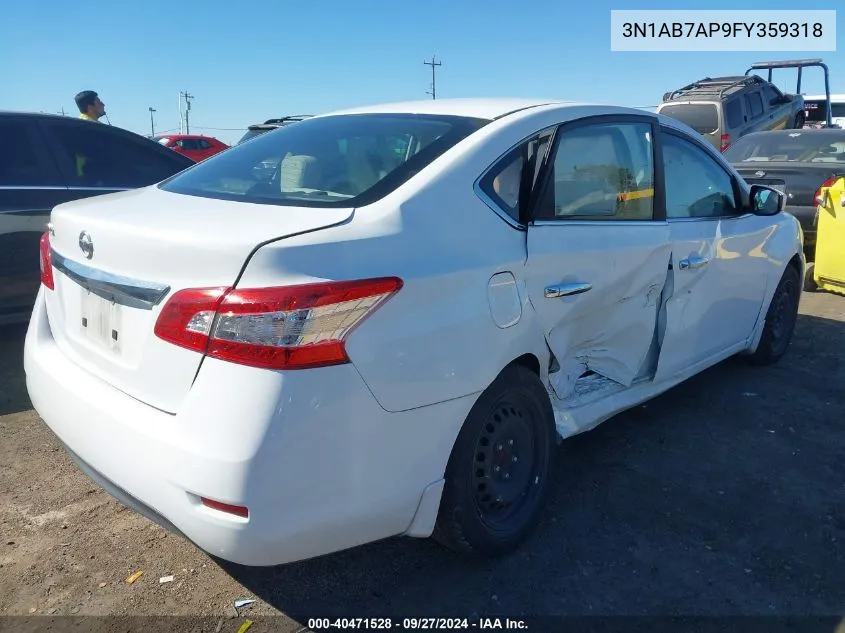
(598, 256)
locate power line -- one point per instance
(432, 63)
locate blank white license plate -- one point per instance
(100, 320)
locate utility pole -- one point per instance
(432, 63)
(63, 111)
(188, 98)
(152, 122)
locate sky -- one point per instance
(252, 60)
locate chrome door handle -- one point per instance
(565, 290)
(693, 262)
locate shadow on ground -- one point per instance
(13, 396)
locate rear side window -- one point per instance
(733, 113)
(23, 163)
(507, 184)
(343, 160)
(701, 117)
(193, 144)
(94, 156)
(754, 103)
(601, 172)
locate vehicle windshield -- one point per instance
(701, 117)
(340, 160)
(816, 146)
(815, 110)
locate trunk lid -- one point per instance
(798, 181)
(148, 244)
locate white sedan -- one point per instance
(390, 332)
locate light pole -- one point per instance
(152, 122)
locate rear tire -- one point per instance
(799, 121)
(810, 284)
(499, 471)
(780, 320)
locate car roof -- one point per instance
(482, 108)
(180, 136)
(39, 115)
(714, 89)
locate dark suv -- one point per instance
(50, 159)
(722, 109)
(271, 124)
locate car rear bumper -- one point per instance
(319, 464)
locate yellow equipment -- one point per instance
(828, 270)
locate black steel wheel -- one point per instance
(781, 318)
(498, 474)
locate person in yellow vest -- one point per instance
(91, 108)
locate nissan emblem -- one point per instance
(86, 245)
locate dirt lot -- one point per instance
(724, 496)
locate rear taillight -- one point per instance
(820, 196)
(726, 142)
(46, 262)
(287, 327)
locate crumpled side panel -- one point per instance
(614, 337)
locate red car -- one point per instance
(194, 146)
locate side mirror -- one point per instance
(765, 200)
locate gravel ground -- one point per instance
(724, 496)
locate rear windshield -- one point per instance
(701, 117)
(816, 146)
(816, 110)
(342, 160)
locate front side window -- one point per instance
(772, 94)
(601, 172)
(341, 160)
(696, 185)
